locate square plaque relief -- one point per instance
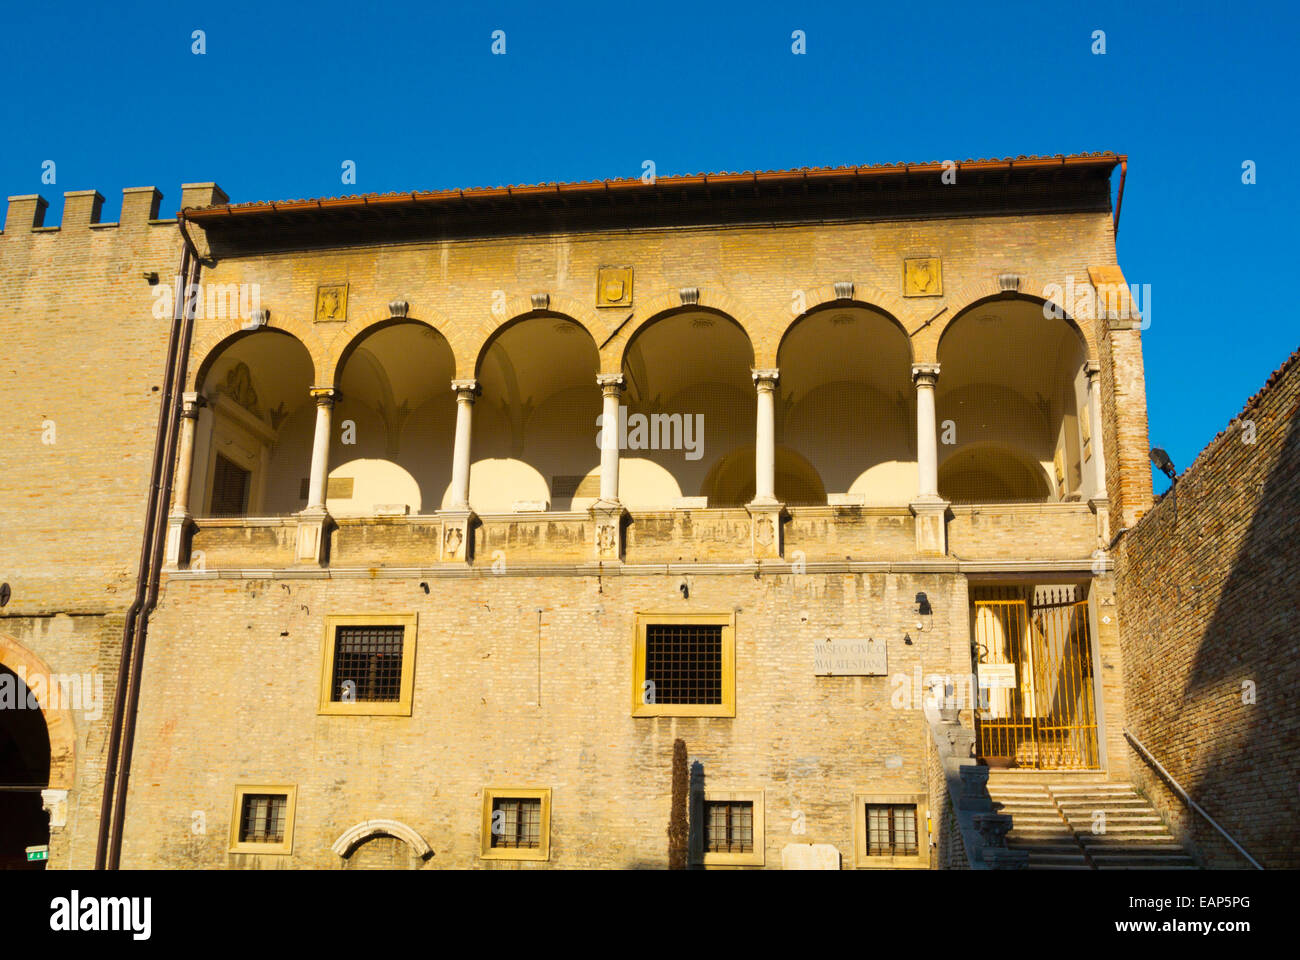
(922, 277)
(332, 302)
(614, 287)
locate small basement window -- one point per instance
(262, 821)
(516, 823)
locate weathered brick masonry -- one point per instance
(1210, 602)
(80, 395)
(524, 674)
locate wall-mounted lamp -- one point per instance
(424, 586)
(1163, 463)
(686, 591)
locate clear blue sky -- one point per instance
(412, 93)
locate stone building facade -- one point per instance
(414, 605)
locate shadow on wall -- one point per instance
(1240, 761)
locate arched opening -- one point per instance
(24, 773)
(382, 851)
(992, 473)
(731, 479)
(382, 844)
(847, 404)
(691, 408)
(1011, 405)
(534, 439)
(252, 447)
(394, 424)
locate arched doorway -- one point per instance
(24, 773)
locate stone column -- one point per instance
(607, 513)
(766, 513)
(928, 508)
(179, 521)
(190, 406)
(1099, 501)
(611, 389)
(765, 438)
(925, 376)
(466, 391)
(1093, 371)
(458, 519)
(313, 522)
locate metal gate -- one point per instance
(1033, 659)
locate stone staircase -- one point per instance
(1070, 820)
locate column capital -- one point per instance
(191, 403)
(925, 374)
(769, 377)
(609, 382)
(324, 395)
(1092, 370)
(469, 386)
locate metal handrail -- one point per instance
(1146, 755)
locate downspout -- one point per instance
(1119, 200)
(127, 695)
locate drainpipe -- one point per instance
(1119, 200)
(126, 698)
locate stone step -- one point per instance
(1140, 860)
(1121, 803)
(1113, 839)
(1148, 868)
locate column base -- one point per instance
(457, 535)
(607, 517)
(765, 539)
(313, 536)
(180, 526)
(931, 515)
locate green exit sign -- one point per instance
(38, 853)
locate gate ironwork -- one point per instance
(1033, 658)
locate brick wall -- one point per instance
(235, 671)
(1210, 613)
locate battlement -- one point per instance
(82, 209)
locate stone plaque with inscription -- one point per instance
(850, 658)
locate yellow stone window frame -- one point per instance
(864, 861)
(400, 707)
(727, 708)
(702, 857)
(490, 796)
(290, 792)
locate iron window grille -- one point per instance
(683, 661)
(891, 830)
(263, 817)
(729, 826)
(367, 664)
(517, 823)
